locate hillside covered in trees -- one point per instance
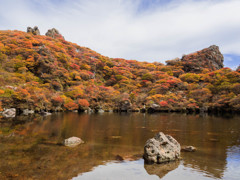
(44, 73)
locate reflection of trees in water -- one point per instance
(110, 135)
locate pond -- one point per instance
(30, 146)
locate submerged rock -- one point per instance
(9, 113)
(72, 141)
(188, 149)
(162, 148)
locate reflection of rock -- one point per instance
(161, 169)
(45, 113)
(188, 149)
(27, 112)
(72, 141)
(9, 113)
(161, 148)
(128, 157)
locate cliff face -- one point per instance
(209, 58)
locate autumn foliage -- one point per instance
(83, 103)
(41, 73)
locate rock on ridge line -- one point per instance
(53, 33)
(210, 58)
(34, 31)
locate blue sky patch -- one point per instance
(231, 60)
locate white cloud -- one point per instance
(118, 28)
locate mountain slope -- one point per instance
(44, 73)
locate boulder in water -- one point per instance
(162, 148)
(72, 141)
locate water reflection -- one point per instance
(33, 150)
(233, 163)
(161, 169)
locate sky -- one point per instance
(144, 30)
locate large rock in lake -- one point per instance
(162, 148)
(72, 141)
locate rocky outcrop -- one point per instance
(162, 148)
(9, 113)
(53, 33)
(72, 141)
(209, 58)
(34, 31)
(125, 105)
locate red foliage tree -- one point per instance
(163, 103)
(83, 103)
(71, 106)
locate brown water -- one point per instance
(29, 150)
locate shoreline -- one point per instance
(20, 112)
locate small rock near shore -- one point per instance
(162, 148)
(9, 113)
(72, 141)
(188, 149)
